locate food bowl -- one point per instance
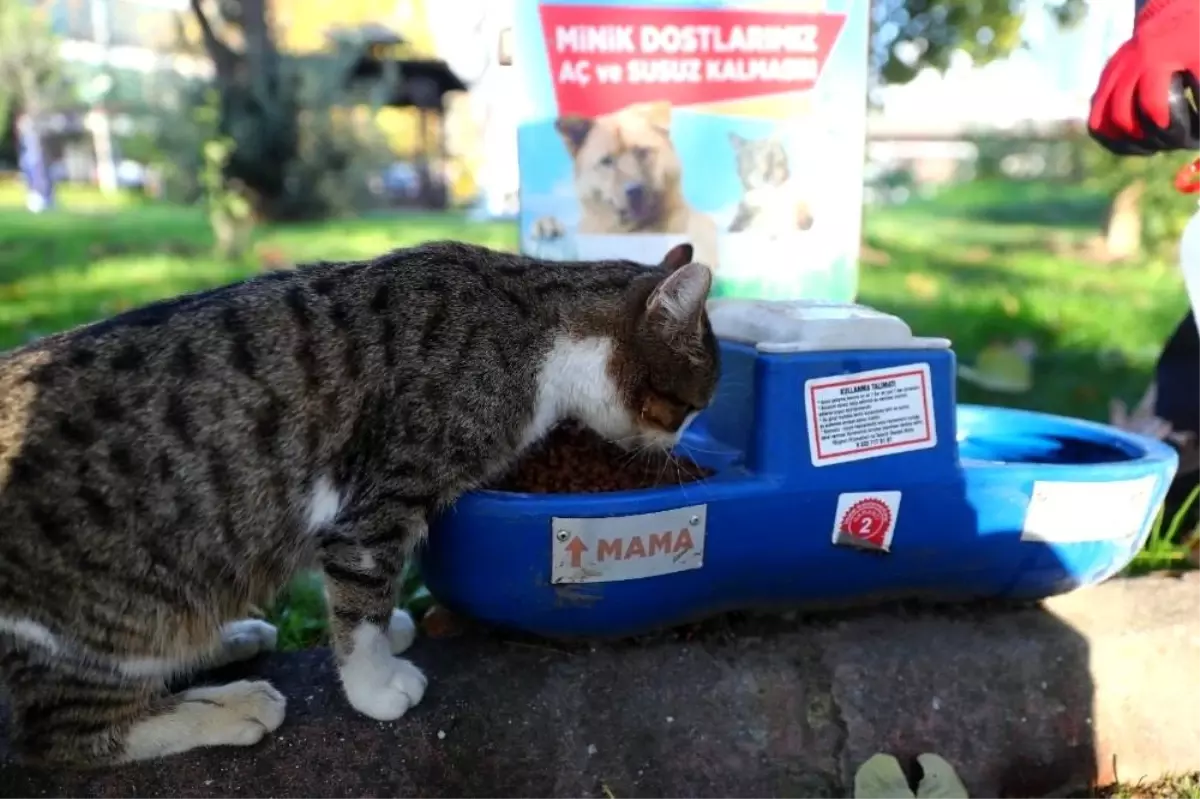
(838, 471)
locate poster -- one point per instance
(736, 126)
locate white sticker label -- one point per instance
(865, 415)
(1069, 512)
(866, 520)
(627, 547)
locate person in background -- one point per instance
(35, 169)
(1146, 103)
(1140, 105)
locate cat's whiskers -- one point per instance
(668, 461)
(694, 448)
(644, 451)
(677, 465)
(631, 456)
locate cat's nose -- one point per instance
(635, 194)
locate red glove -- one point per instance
(1140, 105)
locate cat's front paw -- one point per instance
(377, 684)
(386, 689)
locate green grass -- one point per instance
(1163, 550)
(980, 263)
(299, 613)
(1183, 786)
(954, 271)
(63, 269)
(71, 196)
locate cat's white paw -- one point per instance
(401, 686)
(247, 638)
(377, 684)
(402, 631)
(237, 714)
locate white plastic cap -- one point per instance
(813, 325)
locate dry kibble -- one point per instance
(574, 460)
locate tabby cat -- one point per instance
(769, 201)
(167, 470)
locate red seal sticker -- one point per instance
(866, 520)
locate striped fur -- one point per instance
(164, 471)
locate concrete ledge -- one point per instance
(1024, 702)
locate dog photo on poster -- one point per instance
(736, 126)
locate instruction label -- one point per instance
(863, 415)
(866, 520)
(606, 550)
(1071, 512)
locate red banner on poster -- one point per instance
(603, 58)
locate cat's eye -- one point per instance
(607, 161)
(641, 153)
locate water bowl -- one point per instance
(844, 474)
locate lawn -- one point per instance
(977, 264)
(991, 263)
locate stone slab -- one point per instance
(1023, 701)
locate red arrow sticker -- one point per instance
(575, 547)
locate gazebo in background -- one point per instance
(422, 86)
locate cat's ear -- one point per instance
(574, 130)
(679, 256)
(736, 140)
(678, 301)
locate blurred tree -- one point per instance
(257, 106)
(295, 155)
(909, 35)
(31, 72)
(1147, 214)
(302, 26)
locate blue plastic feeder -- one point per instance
(845, 475)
